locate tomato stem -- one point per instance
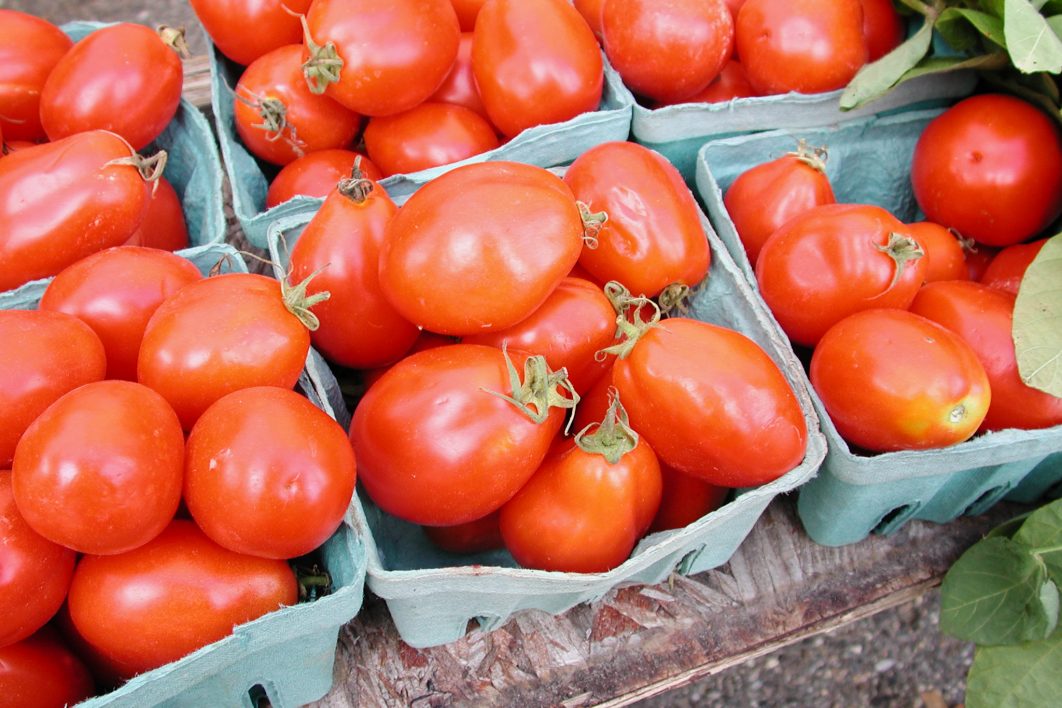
(593, 222)
(299, 302)
(357, 187)
(901, 249)
(813, 157)
(630, 325)
(674, 299)
(150, 168)
(274, 115)
(323, 67)
(540, 390)
(313, 582)
(173, 37)
(614, 436)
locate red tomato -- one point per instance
(110, 456)
(41, 672)
(57, 211)
(882, 27)
(945, 256)
(667, 51)
(30, 47)
(978, 258)
(764, 197)
(219, 335)
(393, 54)
(163, 226)
(894, 380)
(275, 23)
(806, 46)
(984, 317)
(990, 167)
(685, 499)
(424, 340)
(1008, 267)
(459, 87)
(473, 234)
(277, 116)
(115, 292)
(429, 135)
(467, 10)
(435, 447)
(591, 12)
(732, 82)
(151, 606)
(317, 174)
(473, 537)
(834, 260)
(653, 236)
(36, 573)
(535, 62)
(594, 402)
(123, 78)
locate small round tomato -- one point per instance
(164, 226)
(1007, 268)
(459, 87)
(944, 252)
(685, 499)
(535, 63)
(275, 23)
(732, 82)
(882, 27)
(667, 51)
(428, 135)
(317, 174)
(115, 292)
(990, 167)
(42, 672)
(467, 11)
(472, 537)
(30, 47)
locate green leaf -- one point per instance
(1042, 533)
(1051, 7)
(1055, 23)
(994, 7)
(874, 80)
(1017, 676)
(959, 21)
(1007, 529)
(991, 595)
(939, 65)
(1037, 326)
(1032, 43)
(1049, 600)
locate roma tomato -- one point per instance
(805, 46)
(30, 47)
(139, 610)
(473, 537)
(279, 118)
(163, 226)
(480, 248)
(424, 340)
(667, 51)
(732, 82)
(882, 27)
(428, 135)
(685, 499)
(42, 672)
(275, 23)
(834, 260)
(944, 252)
(991, 168)
(392, 54)
(535, 62)
(317, 174)
(653, 235)
(984, 317)
(62, 201)
(123, 78)
(438, 443)
(893, 380)
(1008, 267)
(459, 87)
(56, 353)
(110, 456)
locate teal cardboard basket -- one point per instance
(855, 495)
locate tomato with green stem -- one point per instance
(317, 174)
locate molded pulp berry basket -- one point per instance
(853, 495)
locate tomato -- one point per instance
(685, 499)
(424, 340)
(535, 62)
(279, 118)
(115, 292)
(983, 317)
(437, 448)
(275, 23)
(42, 672)
(473, 537)
(429, 135)
(653, 236)
(591, 12)
(30, 47)
(765, 196)
(393, 54)
(36, 573)
(163, 226)
(317, 174)
(667, 51)
(882, 26)
(65, 200)
(834, 260)
(153, 605)
(219, 335)
(459, 87)
(893, 380)
(978, 258)
(1008, 267)
(944, 252)
(467, 11)
(480, 248)
(123, 78)
(805, 46)
(732, 82)
(990, 167)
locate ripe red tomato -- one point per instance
(30, 47)
(667, 51)
(481, 247)
(219, 335)
(459, 87)
(275, 23)
(591, 12)
(805, 46)
(653, 236)
(535, 62)
(473, 537)
(764, 197)
(435, 447)
(894, 380)
(163, 226)
(115, 292)
(882, 26)
(983, 317)
(978, 258)
(394, 54)
(685, 499)
(990, 167)
(57, 211)
(945, 255)
(427, 135)
(317, 174)
(139, 610)
(279, 118)
(732, 82)
(1007, 268)
(42, 672)
(834, 260)
(424, 340)
(467, 10)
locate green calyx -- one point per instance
(150, 168)
(540, 390)
(322, 68)
(630, 324)
(674, 299)
(813, 157)
(357, 187)
(593, 222)
(299, 302)
(613, 437)
(901, 249)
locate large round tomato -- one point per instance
(427, 135)
(882, 26)
(991, 168)
(481, 247)
(1007, 268)
(944, 252)
(317, 174)
(139, 610)
(30, 47)
(459, 87)
(667, 51)
(535, 62)
(42, 672)
(164, 225)
(807, 46)
(392, 54)
(437, 446)
(833, 260)
(275, 23)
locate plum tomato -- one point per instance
(317, 174)
(944, 252)
(30, 47)
(164, 225)
(43, 672)
(275, 23)
(427, 135)
(1008, 267)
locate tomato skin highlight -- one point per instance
(42, 672)
(427, 135)
(275, 23)
(30, 47)
(316, 175)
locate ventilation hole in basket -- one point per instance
(987, 500)
(259, 696)
(895, 519)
